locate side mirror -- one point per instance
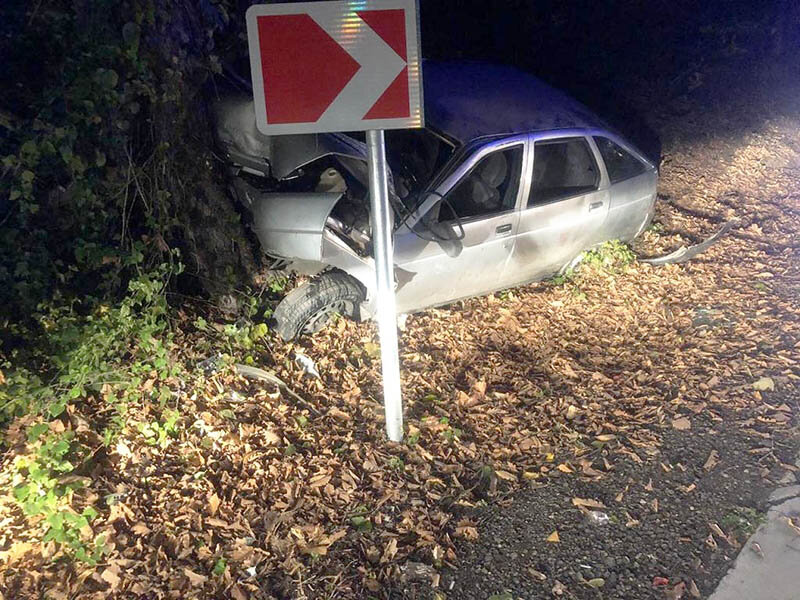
(452, 219)
(447, 234)
(443, 221)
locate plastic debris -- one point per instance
(597, 517)
(307, 364)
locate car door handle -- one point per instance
(503, 228)
(595, 205)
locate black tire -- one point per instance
(308, 308)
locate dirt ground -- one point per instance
(664, 397)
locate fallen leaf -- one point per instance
(213, 504)
(140, 529)
(716, 529)
(123, 450)
(677, 592)
(553, 537)
(467, 532)
(693, 590)
(17, 550)
(218, 523)
(111, 577)
(505, 475)
(237, 593)
(681, 423)
(390, 551)
(791, 525)
(565, 468)
(320, 480)
(660, 581)
(536, 574)
(764, 384)
(587, 503)
(712, 460)
(597, 582)
(194, 578)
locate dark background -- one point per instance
(626, 59)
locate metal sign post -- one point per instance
(380, 215)
(345, 66)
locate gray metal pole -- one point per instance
(381, 219)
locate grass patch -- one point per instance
(742, 521)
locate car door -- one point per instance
(632, 189)
(564, 208)
(483, 192)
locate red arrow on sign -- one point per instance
(298, 54)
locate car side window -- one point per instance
(490, 187)
(620, 163)
(561, 169)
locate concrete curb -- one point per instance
(768, 566)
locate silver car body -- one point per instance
(479, 110)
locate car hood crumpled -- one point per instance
(279, 155)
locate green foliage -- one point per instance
(159, 434)
(396, 463)
(611, 256)
(278, 283)
(42, 490)
(450, 433)
(742, 521)
(360, 520)
(84, 350)
(220, 566)
(96, 148)
(107, 352)
(103, 147)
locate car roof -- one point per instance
(470, 100)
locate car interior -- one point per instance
(561, 169)
(490, 187)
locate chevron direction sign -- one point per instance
(335, 66)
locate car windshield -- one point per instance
(415, 156)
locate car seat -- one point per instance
(486, 182)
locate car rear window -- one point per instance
(620, 163)
(561, 169)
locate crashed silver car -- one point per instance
(508, 183)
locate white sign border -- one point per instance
(414, 62)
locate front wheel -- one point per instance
(308, 308)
